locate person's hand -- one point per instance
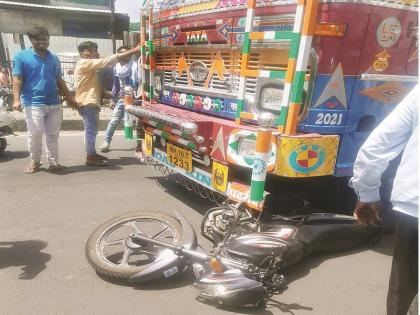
(111, 104)
(17, 105)
(71, 102)
(138, 47)
(368, 213)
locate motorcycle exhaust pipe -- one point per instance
(177, 249)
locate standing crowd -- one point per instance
(38, 83)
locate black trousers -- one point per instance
(403, 282)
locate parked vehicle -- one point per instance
(6, 98)
(248, 259)
(7, 121)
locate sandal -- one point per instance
(33, 167)
(97, 162)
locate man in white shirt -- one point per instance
(397, 134)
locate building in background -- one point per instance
(68, 21)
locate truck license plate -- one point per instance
(179, 157)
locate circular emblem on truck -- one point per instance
(198, 71)
(388, 32)
(307, 158)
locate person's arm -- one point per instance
(62, 86)
(384, 144)
(17, 89)
(17, 81)
(96, 64)
(68, 96)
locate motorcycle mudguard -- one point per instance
(231, 288)
(168, 263)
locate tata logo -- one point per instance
(196, 175)
(307, 158)
(196, 37)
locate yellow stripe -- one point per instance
(250, 73)
(245, 60)
(251, 4)
(291, 66)
(199, 7)
(247, 115)
(256, 35)
(309, 23)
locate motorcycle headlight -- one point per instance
(211, 290)
(271, 98)
(246, 147)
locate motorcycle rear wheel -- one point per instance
(3, 145)
(121, 265)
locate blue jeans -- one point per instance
(116, 118)
(90, 116)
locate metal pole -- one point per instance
(3, 57)
(112, 8)
(22, 42)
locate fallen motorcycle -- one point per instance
(248, 260)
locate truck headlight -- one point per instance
(271, 98)
(246, 147)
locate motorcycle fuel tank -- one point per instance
(259, 245)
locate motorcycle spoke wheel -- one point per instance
(113, 254)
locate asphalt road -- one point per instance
(45, 220)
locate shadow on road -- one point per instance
(115, 165)
(303, 268)
(25, 254)
(262, 309)
(13, 155)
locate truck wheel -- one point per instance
(3, 145)
(113, 255)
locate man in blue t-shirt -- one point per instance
(36, 81)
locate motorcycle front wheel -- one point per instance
(111, 252)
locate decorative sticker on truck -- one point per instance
(335, 87)
(388, 32)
